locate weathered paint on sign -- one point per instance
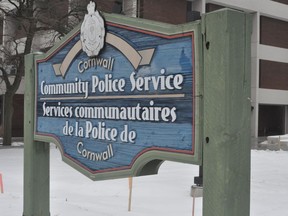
(134, 100)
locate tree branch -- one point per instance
(13, 3)
(4, 11)
(5, 77)
(18, 76)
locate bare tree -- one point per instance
(34, 25)
(30, 25)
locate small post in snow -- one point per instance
(130, 193)
(1, 184)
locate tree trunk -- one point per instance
(7, 117)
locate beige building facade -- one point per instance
(269, 62)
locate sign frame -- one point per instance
(150, 161)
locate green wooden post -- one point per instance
(226, 149)
(36, 154)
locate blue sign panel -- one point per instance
(108, 110)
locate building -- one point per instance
(13, 36)
(269, 62)
(269, 72)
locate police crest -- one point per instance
(92, 31)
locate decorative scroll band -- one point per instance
(136, 58)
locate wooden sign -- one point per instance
(120, 96)
(132, 105)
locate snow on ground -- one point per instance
(167, 193)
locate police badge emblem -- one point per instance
(92, 31)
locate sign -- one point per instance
(115, 109)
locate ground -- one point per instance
(167, 193)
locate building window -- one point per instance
(189, 6)
(273, 75)
(271, 120)
(273, 32)
(281, 1)
(140, 8)
(191, 14)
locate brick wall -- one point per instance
(213, 7)
(106, 5)
(168, 11)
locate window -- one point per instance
(191, 15)
(273, 75)
(281, 1)
(273, 32)
(271, 120)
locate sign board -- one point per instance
(120, 96)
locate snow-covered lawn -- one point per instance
(167, 193)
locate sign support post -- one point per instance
(226, 149)
(36, 154)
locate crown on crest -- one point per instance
(91, 7)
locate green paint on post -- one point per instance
(226, 149)
(36, 154)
